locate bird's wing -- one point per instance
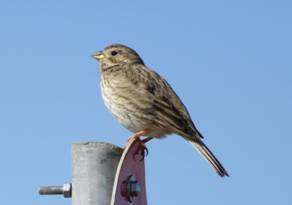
(165, 101)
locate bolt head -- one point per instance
(67, 190)
(133, 188)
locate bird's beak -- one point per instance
(98, 55)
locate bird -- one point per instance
(144, 102)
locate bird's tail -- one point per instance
(209, 156)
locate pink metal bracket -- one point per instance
(129, 185)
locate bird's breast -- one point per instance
(116, 94)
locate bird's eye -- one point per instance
(113, 53)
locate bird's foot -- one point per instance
(142, 149)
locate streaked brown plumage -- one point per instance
(143, 102)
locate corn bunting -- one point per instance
(143, 102)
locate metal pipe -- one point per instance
(94, 169)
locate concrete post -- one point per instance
(94, 169)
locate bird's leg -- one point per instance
(137, 135)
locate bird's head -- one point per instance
(117, 54)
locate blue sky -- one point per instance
(229, 61)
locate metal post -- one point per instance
(94, 169)
(104, 174)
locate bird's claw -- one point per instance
(142, 150)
